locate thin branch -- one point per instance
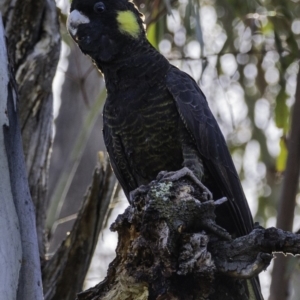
(287, 202)
(256, 52)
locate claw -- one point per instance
(220, 201)
(173, 176)
(143, 189)
(246, 269)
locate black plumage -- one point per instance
(155, 116)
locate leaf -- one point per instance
(282, 157)
(268, 28)
(282, 110)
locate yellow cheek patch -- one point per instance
(128, 23)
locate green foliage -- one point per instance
(281, 158)
(282, 110)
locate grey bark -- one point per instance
(33, 39)
(280, 276)
(10, 236)
(64, 273)
(34, 43)
(171, 248)
(28, 282)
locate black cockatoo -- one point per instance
(156, 117)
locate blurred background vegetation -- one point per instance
(244, 55)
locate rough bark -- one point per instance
(280, 278)
(33, 37)
(64, 273)
(19, 244)
(10, 237)
(34, 43)
(171, 248)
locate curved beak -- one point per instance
(76, 18)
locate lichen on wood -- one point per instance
(170, 247)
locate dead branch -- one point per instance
(171, 248)
(75, 253)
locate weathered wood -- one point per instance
(77, 140)
(10, 237)
(171, 248)
(33, 44)
(28, 283)
(64, 273)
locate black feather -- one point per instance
(204, 130)
(156, 118)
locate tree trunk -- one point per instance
(280, 276)
(19, 245)
(33, 38)
(171, 248)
